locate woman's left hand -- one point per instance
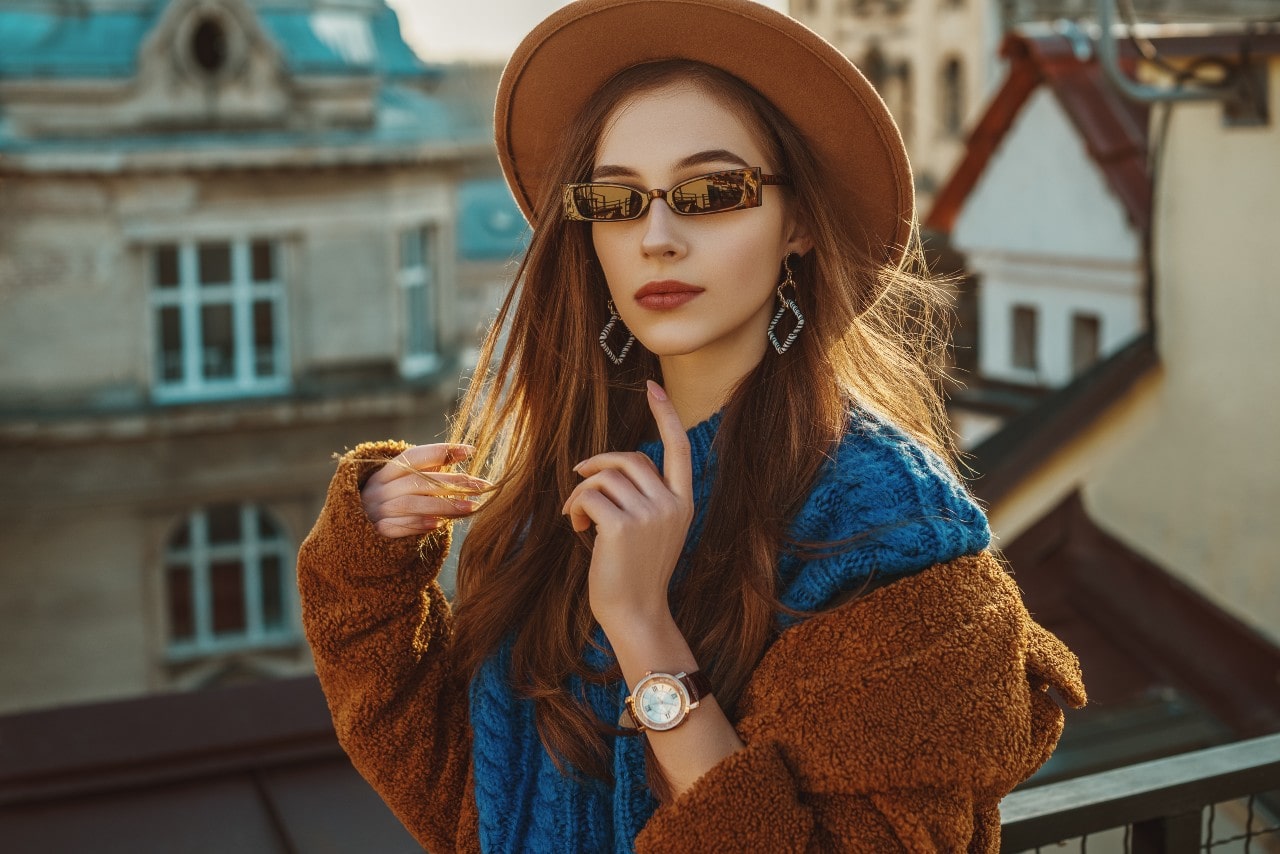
(642, 517)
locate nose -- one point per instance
(662, 236)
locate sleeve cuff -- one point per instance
(748, 801)
(345, 532)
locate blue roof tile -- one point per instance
(65, 42)
(48, 44)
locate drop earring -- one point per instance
(786, 304)
(621, 355)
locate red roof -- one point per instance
(1113, 129)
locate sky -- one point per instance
(448, 30)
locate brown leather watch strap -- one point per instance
(698, 685)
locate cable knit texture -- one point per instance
(895, 721)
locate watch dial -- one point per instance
(660, 703)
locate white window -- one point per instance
(1086, 341)
(1026, 336)
(219, 312)
(228, 572)
(419, 276)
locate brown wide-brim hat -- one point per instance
(566, 58)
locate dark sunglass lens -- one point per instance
(711, 193)
(605, 201)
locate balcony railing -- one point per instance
(1208, 800)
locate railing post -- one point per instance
(1173, 834)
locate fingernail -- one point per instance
(461, 452)
(578, 466)
(655, 390)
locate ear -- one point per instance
(798, 239)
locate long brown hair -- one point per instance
(546, 398)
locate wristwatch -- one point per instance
(661, 701)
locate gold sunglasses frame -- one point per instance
(753, 178)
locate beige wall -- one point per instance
(85, 523)
(98, 476)
(924, 34)
(1185, 470)
(1200, 490)
(75, 323)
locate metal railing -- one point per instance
(1172, 805)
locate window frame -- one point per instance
(1033, 311)
(199, 555)
(1082, 318)
(189, 296)
(427, 274)
(952, 106)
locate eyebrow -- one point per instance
(713, 155)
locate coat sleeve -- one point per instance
(895, 722)
(379, 629)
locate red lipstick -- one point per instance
(666, 294)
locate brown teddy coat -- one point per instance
(896, 721)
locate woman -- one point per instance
(748, 607)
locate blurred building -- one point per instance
(1132, 497)
(1051, 207)
(1016, 12)
(236, 236)
(933, 62)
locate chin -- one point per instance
(667, 347)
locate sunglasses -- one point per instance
(719, 192)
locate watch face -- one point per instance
(662, 701)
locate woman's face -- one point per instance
(719, 272)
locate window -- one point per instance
(228, 582)
(1086, 341)
(952, 106)
(1025, 321)
(876, 67)
(219, 309)
(418, 275)
(905, 111)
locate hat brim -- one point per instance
(573, 52)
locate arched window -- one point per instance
(228, 573)
(952, 97)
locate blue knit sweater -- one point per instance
(908, 513)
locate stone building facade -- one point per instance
(229, 247)
(933, 61)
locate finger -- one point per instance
(437, 483)
(637, 467)
(591, 506)
(419, 505)
(677, 458)
(404, 526)
(420, 458)
(615, 485)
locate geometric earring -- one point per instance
(786, 304)
(618, 358)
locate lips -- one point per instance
(666, 294)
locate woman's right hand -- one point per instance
(410, 495)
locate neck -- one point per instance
(700, 383)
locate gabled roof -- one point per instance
(1113, 129)
(333, 87)
(67, 41)
(1166, 669)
